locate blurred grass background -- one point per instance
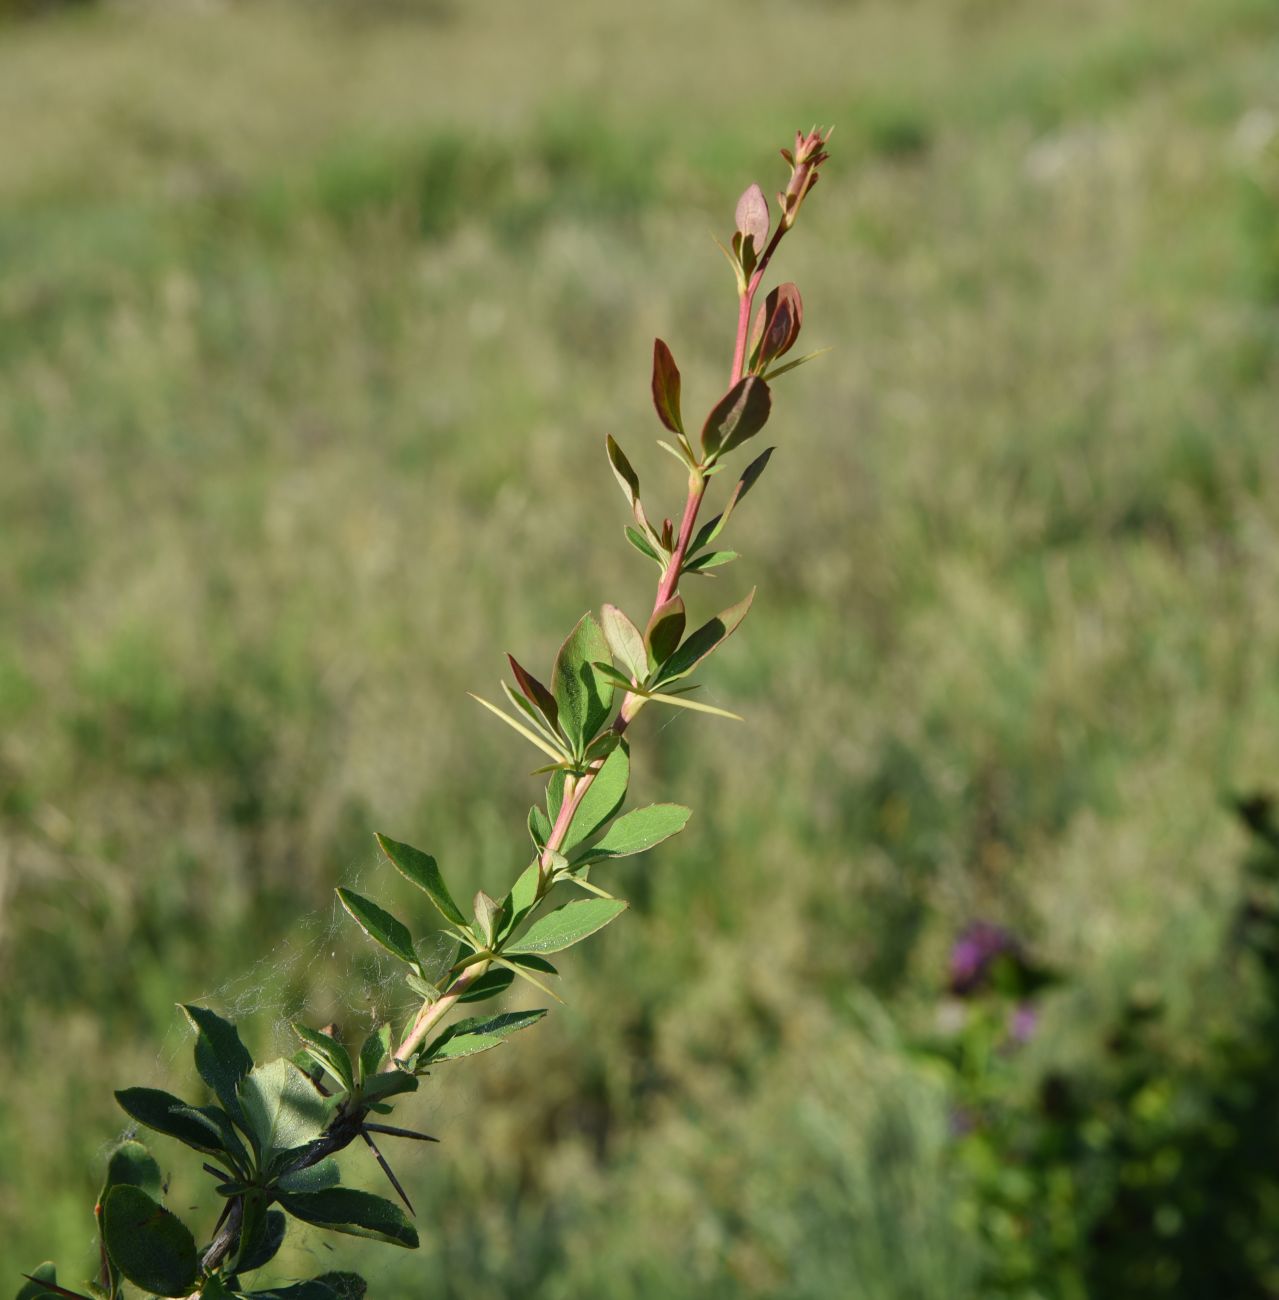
(312, 320)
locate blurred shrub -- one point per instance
(1154, 1172)
(33, 8)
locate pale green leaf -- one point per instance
(567, 925)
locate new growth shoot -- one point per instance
(268, 1134)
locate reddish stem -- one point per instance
(747, 301)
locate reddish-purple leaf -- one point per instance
(752, 217)
(536, 694)
(777, 326)
(740, 414)
(666, 387)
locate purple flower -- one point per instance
(1022, 1023)
(975, 953)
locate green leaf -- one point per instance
(33, 1290)
(360, 1214)
(616, 675)
(539, 827)
(703, 641)
(523, 894)
(330, 1286)
(377, 1047)
(536, 694)
(329, 1053)
(639, 831)
(215, 1288)
(794, 365)
(131, 1165)
(567, 925)
(467, 1037)
(527, 732)
(628, 481)
(173, 1117)
(282, 1110)
(486, 912)
(583, 694)
(624, 641)
(710, 530)
(267, 1238)
(709, 560)
(643, 546)
(220, 1057)
(602, 799)
(151, 1247)
(380, 926)
(555, 796)
(314, 1178)
(666, 387)
(676, 698)
(390, 1083)
(424, 872)
(665, 630)
(489, 985)
(740, 414)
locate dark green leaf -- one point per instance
(313, 1178)
(360, 1214)
(329, 1053)
(532, 962)
(282, 1110)
(703, 641)
(33, 1290)
(584, 696)
(711, 530)
(639, 831)
(478, 1034)
(643, 546)
(268, 1237)
(215, 1288)
(567, 925)
(423, 871)
(173, 1117)
(331, 1286)
(740, 414)
(489, 985)
(132, 1165)
(377, 1047)
(666, 387)
(665, 630)
(380, 926)
(390, 1083)
(151, 1247)
(602, 799)
(220, 1057)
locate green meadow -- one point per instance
(313, 318)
